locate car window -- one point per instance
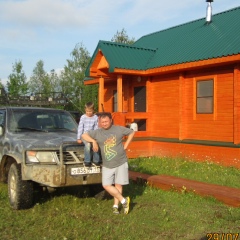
(2, 115)
(41, 120)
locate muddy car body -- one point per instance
(38, 148)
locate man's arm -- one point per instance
(87, 138)
(129, 139)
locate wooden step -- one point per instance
(228, 195)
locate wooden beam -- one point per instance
(182, 66)
(119, 93)
(181, 107)
(101, 94)
(236, 102)
(228, 195)
(91, 82)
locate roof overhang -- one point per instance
(100, 68)
(182, 67)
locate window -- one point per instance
(2, 117)
(205, 96)
(141, 123)
(27, 120)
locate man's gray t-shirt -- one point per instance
(111, 146)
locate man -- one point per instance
(109, 138)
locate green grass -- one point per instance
(155, 214)
(200, 171)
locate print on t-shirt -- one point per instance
(108, 145)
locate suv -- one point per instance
(38, 147)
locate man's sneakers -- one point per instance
(115, 210)
(126, 205)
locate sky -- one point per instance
(48, 30)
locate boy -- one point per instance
(88, 121)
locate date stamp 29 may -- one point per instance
(222, 236)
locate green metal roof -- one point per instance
(192, 41)
(123, 56)
(195, 40)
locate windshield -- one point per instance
(41, 120)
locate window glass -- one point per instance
(25, 120)
(1, 117)
(205, 96)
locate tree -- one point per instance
(40, 81)
(122, 37)
(1, 85)
(3, 94)
(17, 84)
(72, 80)
(54, 81)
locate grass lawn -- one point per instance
(155, 214)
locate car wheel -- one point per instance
(20, 192)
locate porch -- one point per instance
(127, 118)
(228, 195)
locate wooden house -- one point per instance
(181, 86)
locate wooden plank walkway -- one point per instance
(228, 195)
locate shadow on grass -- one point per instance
(45, 194)
(133, 190)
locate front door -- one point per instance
(140, 99)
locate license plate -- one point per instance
(85, 170)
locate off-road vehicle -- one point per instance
(38, 147)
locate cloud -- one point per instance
(156, 11)
(85, 14)
(38, 13)
(54, 16)
(57, 13)
(49, 29)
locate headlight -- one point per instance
(41, 157)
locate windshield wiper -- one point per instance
(62, 128)
(32, 129)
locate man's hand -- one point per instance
(87, 138)
(79, 141)
(95, 146)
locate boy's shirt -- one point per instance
(87, 123)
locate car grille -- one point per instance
(72, 157)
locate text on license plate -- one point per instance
(85, 170)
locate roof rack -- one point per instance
(37, 99)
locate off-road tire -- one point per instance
(20, 192)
